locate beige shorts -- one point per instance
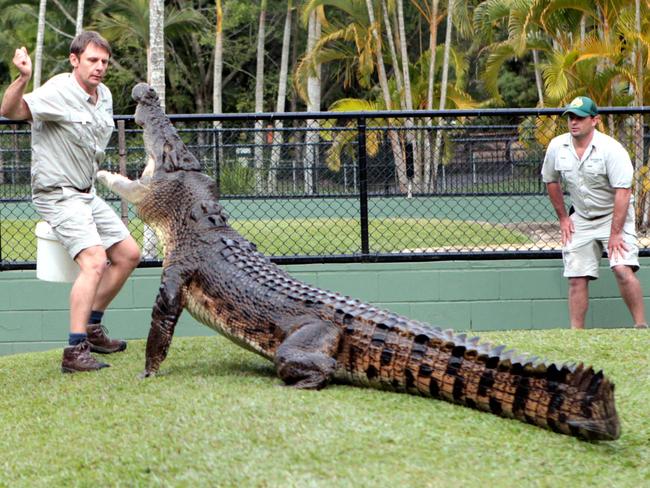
(80, 220)
(582, 255)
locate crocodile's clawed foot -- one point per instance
(311, 384)
(147, 374)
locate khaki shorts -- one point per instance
(80, 220)
(582, 255)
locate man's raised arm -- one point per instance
(13, 106)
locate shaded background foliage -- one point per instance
(190, 39)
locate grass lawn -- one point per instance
(219, 417)
(287, 237)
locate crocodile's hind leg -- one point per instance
(305, 359)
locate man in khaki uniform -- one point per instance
(597, 172)
(72, 122)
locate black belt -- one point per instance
(83, 190)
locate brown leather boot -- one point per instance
(100, 342)
(77, 359)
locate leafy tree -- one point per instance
(125, 23)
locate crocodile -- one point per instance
(315, 337)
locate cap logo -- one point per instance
(576, 103)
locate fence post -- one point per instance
(217, 148)
(363, 184)
(2, 261)
(121, 148)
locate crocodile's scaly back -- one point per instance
(315, 336)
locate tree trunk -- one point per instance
(539, 83)
(433, 44)
(642, 208)
(313, 105)
(156, 79)
(156, 62)
(408, 100)
(79, 24)
(40, 35)
(437, 149)
(294, 137)
(381, 70)
(258, 153)
(393, 53)
(217, 91)
(393, 136)
(217, 88)
(278, 137)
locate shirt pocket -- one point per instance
(595, 172)
(79, 127)
(564, 160)
(105, 129)
(564, 165)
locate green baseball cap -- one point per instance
(582, 107)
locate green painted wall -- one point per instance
(463, 295)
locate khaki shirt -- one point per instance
(591, 181)
(69, 133)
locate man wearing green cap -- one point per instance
(597, 173)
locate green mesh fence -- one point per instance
(362, 186)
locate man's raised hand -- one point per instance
(23, 62)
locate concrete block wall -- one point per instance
(463, 295)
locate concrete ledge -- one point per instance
(462, 295)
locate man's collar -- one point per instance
(594, 139)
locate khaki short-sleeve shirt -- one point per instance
(591, 181)
(69, 133)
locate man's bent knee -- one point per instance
(126, 253)
(92, 259)
(624, 272)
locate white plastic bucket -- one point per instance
(53, 263)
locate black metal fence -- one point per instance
(368, 186)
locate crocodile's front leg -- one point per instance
(305, 359)
(166, 311)
(132, 190)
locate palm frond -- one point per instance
(499, 54)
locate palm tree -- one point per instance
(217, 81)
(642, 47)
(393, 52)
(38, 54)
(125, 23)
(278, 139)
(259, 99)
(156, 51)
(79, 21)
(156, 79)
(313, 105)
(433, 32)
(359, 61)
(437, 147)
(521, 24)
(217, 74)
(408, 95)
(431, 15)
(393, 136)
(347, 44)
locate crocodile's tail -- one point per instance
(568, 398)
